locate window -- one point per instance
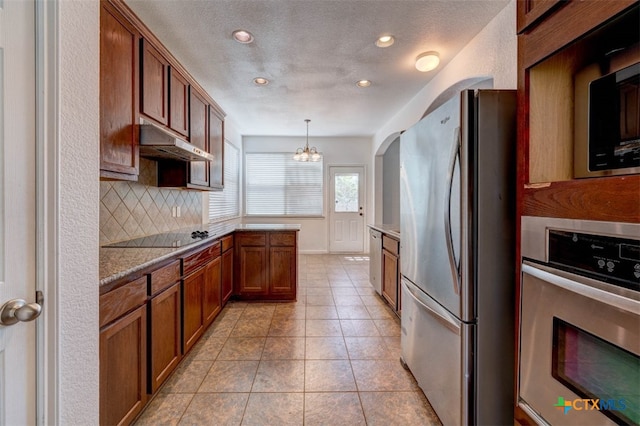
(225, 204)
(277, 185)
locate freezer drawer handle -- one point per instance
(441, 317)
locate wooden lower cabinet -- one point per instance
(212, 294)
(266, 265)
(390, 278)
(282, 271)
(252, 271)
(201, 295)
(165, 338)
(192, 317)
(227, 275)
(391, 272)
(123, 368)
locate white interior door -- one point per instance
(346, 221)
(17, 212)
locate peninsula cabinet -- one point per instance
(119, 58)
(123, 353)
(266, 265)
(154, 84)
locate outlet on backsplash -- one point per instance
(135, 209)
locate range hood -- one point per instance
(158, 143)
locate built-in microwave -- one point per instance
(607, 122)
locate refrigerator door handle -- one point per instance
(437, 312)
(455, 155)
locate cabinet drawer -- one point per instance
(392, 245)
(120, 301)
(194, 261)
(164, 277)
(251, 239)
(282, 239)
(227, 243)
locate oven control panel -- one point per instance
(612, 259)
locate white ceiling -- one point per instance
(313, 52)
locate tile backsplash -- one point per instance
(135, 209)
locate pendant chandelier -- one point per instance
(306, 153)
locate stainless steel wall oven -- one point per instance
(580, 322)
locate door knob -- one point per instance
(18, 310)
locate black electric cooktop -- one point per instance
(172, 239)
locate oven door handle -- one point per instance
(546, 274)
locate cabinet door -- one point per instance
(192, 318)
(390, 278)
(165, 353)
(178, 103)
(199, 136)
(252, 270)
(282, 270)
(216, 147)
(123, 368)
(154, 87)
(227, 275)
(530, 11)
(211, 301)
(119, 55)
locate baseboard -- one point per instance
(312, 252)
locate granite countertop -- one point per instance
(391, 230)
(116, 263)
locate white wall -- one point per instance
(492, 54)
(314, 235)
(77, 295)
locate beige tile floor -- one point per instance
(331, 358)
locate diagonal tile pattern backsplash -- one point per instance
(135, 209)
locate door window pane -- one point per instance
(346, 193)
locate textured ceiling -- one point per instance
(313, 52)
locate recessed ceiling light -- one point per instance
(242, 36)
(427, 61)
(385, 41)
(260, 81)
(363, 83)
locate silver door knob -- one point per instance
(18, 310)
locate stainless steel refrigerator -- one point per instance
(457, 221)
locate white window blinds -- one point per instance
(277, 185)
(225, 204)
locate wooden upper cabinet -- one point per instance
(178, 102)
(119, 57)
(216, 147)
(154, 84)
(199, 136)
(530, 11)
(553, 56)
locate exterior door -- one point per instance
(346, 217)
(17, 210)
